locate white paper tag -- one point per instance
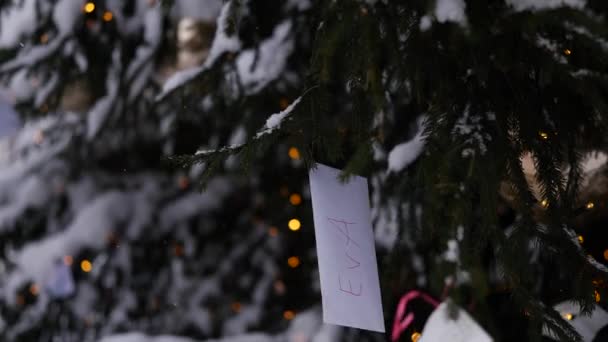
(346, 252)
(440, 327)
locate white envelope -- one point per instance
(346, 252)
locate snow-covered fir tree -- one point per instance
(154, 159)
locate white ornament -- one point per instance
(441, 327)
(61, 283)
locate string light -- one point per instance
(38, 137)
(273, 231)
(597, 296)
(283, 103)
(568, 316)
(89, 7)
(289, 315)
(543, 135)
(86, 266)
(20, 300)
(294, 153)
(178, 249)
(294, 224)
(567, 52)
(295, 199)
(581, 239)
(34, 289)
(279, 287)
(544, 203)
(183, 182)
(606, 254)
(416, 336)
(68, 260)
(293, 261)
(590, 205)
(107, 16)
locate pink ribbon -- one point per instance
(402, 323)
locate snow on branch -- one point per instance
(17, 22)
(33, 193)
(222, 43)
(97, 116)
(23, 22)
(590, 260)
(256, 67)
(451, 10)
(33, 56)
(89, 229)
(259, 67)
(307, 326)
(16, 170)
(139, 337)
(539, 5)
(405, 153)
(274, 121)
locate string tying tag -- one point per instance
(401, 323)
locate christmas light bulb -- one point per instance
(289, 315)
(294, 153)
(293, 261)
(68, 260)
(295, 199)
(89, 7)
(108, 16)
(86, 266)
(34, 289)
(294, 224)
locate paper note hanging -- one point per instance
(441, 327)
(350, 289)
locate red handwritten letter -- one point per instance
(350, 287)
